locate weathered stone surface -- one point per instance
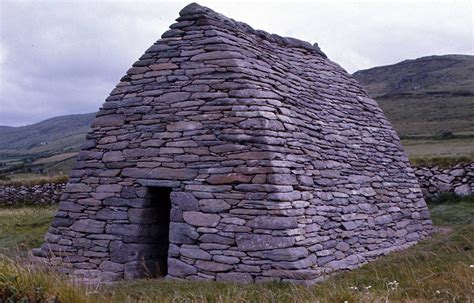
(181, 233)
(184, 201)
(212, 266)
(113, 156)
(272, 222)
(173, 97)
(254, 242)
(161, 66)
(291, 196)
(160, 173)
(77, 188)
(305, 263)
(463, 190)
(111, 214)
(201, 219)
(383, 219)
(195, 253)
(213, 205)
(88, 226)
(184, 126)
(284, 179)
(177, 268)
(229, 178)
(108, 121)
(284, 254)
(218, 239)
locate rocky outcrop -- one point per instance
(435, 181)
(41, 194)
(267, 159)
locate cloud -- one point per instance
(65, 57)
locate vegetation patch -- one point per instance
(23, 228)
(441, 162)
(451, 210)
(34, 179)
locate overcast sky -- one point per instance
(64, 57)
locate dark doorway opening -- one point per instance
(160, 207)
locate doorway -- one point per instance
(160, 207)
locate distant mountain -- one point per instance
(425, 96)
(45, 133)
(22, 148)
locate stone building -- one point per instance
(227, 153)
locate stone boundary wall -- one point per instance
(41, 194)
(434, 180)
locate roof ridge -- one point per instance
(194, 11)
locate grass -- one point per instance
(56, 158)
(451, 210)
(34, 179)
(442, 162)
(436, 270)
(23, 228)
(452, 148)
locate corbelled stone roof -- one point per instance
(277, 165)
(195, 11)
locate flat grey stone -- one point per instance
(182, 233)
(255, 242)
(284, 254)
(177, 268)
(201, 219)
(88, 226)
(273, 222)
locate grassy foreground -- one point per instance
(440, 269)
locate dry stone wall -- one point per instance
(41, 194)
(278, 166)
(435, 180)
(432, 180)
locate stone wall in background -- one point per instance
(41, 194)
(434, 180)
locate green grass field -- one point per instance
(439, 269)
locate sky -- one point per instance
(64, 57)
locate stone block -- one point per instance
(212, 266)
(182, 233)
(201, 219)
(177, 268)
(284, 254)
(88, 226)
(255, 242)
(273, 222)
(232, 178)
(195, 253)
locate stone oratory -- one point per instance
(231, 154)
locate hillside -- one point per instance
(425, 96)
(44, 133)
(22, 148)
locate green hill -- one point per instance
(22, 148)
(430, 102)
(45, 133)
(425, 96)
